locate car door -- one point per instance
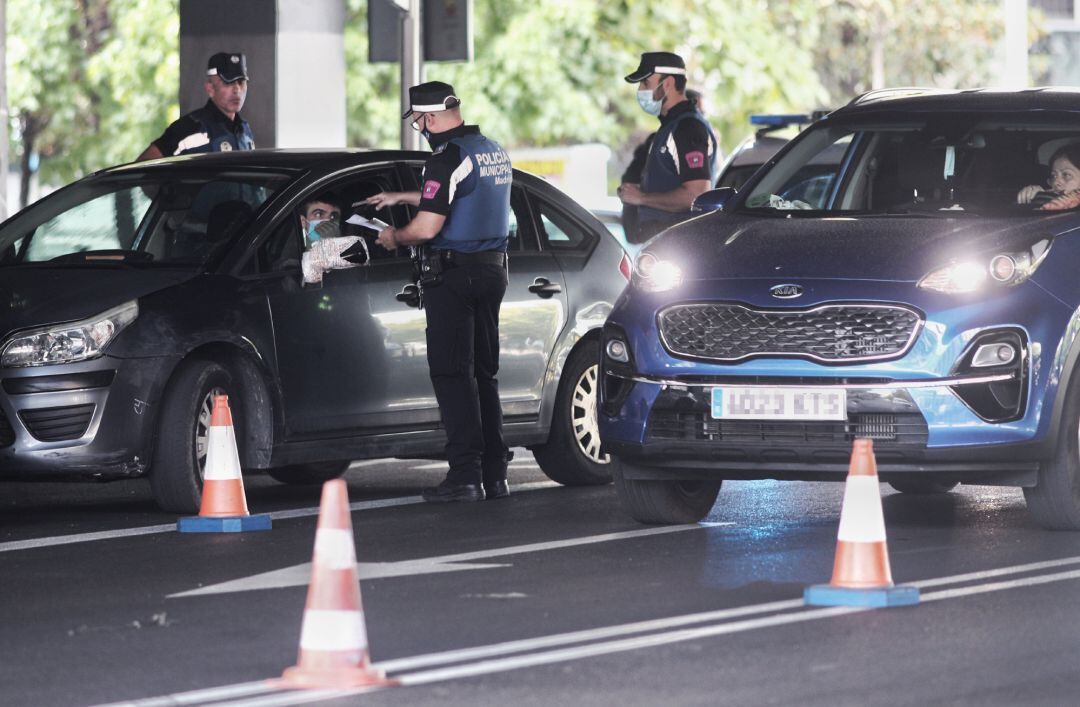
(533, 311)
(345, 357)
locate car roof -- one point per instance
(285, 159)
(901, 100)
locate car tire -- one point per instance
(176, 472)
(572, 456)
(308, 474)
(665, 502)
(1054, 502)
(923, 487)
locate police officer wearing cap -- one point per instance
(463, 221)
(217, 126)
(682, 159)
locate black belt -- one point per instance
(483, 257)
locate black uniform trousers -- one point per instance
(463, 357)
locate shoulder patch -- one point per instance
(695, 159)
(431, 188)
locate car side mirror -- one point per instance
(713, 200)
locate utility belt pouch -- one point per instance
(431, 269)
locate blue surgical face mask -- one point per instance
(312, 225)
(649, 104)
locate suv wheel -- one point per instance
(923, 486)
(309, 474)
(572, 455)
(176, 471)
(665, 502)
(1054, 502)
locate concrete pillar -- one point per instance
(296, 60)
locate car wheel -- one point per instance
(665, 502)
(176, 471)
(923, 486)
(572, 456)
(1054, 502)
(309, 474)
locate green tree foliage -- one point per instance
(91, 82)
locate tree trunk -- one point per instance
(29, 132)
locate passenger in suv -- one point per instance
(906, 297)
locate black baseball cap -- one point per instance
(431, 97)
(228, 66)
(657, 63)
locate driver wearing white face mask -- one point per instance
(684, 155)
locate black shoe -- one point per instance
(499, 489)
(447, 492)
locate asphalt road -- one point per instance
(552, 596)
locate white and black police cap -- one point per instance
(657, 63)
(431, 97)
(228, 66)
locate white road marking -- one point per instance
(73, 538)
(662, 637)
(300, 575)
(200, 696)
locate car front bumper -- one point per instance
(88, 419)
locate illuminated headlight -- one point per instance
(972, 275)
(66, 343)
(654, 275)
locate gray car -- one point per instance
(129, 298)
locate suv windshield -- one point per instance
(941, 165)
(177, 220)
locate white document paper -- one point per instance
(372, 223)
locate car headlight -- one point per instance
(66, 343)
(652, 274)
(1007, 268)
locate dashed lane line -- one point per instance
(35, 543)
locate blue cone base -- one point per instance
(235, 524)
(828, 595)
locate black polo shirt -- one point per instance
(186, 133)
(692, 146)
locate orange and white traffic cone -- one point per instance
(861, 574)
(224, 505)
(333, 638)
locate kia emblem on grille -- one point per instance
(786, 291)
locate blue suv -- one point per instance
(878, 278)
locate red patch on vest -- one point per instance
(695, 159)
(431, 188)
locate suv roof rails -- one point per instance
(882, 94)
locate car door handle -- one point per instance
(543, 287)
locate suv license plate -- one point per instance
(747, 403)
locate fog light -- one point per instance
(1002, 268)
(616, 351)
(998, 354)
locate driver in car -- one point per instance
(326, 248)
(1064, 183)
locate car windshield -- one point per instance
(943, 165)
(175, 220)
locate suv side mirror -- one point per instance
(713, 200)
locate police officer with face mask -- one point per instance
(684, 154)
(217, 126)
(463, 221)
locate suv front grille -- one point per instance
(843, 333)
(7, 435)
(57, 424)
(892, 428)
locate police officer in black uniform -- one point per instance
(217, 126)
(684, 154)
(463, 222)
